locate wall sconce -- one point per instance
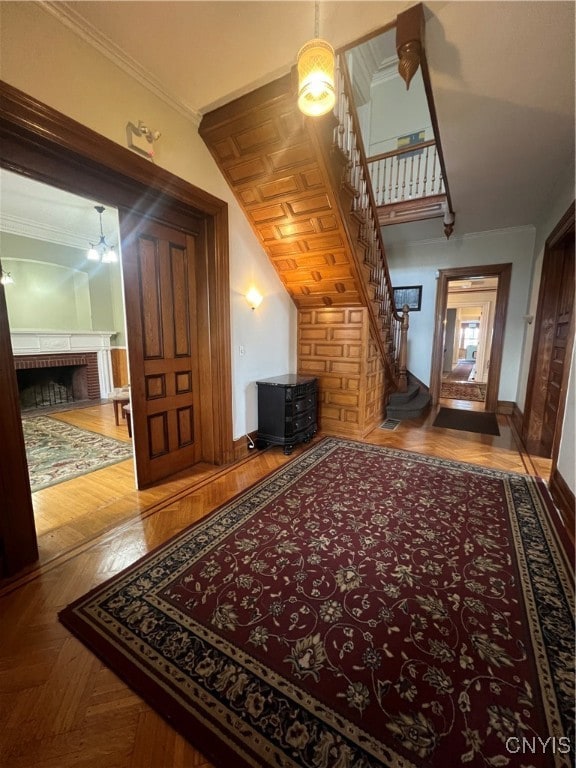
(5, 277)
(254, 298)
(141, 138)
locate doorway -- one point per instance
(43, 144)
(468, 331)
(552, 346)
(67, 324)
(471, 304)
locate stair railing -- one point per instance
(409, 173)
(348, 139)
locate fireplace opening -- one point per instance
(45, 387)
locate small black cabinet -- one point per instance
(286, 411)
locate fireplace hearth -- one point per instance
(51, 380)
(43, 387)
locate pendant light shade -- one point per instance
(316, 93)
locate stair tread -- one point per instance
(397, 398)
(410, 409)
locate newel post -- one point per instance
(403, 352)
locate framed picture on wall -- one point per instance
(408, 294)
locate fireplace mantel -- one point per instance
(31, 342)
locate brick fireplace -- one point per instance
(61, 367)
(45, 380)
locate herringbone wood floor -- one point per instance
(59, 706)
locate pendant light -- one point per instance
(316, 92)
(101, 251)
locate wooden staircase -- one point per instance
(304, 186)
(411, 404)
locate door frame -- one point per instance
(42, 143)
(534, 402)
(503, 272)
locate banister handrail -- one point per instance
(401, 151)
(368, 186)
(348, 138)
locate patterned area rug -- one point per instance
(57, 451)
(361, 607)
(463, 391)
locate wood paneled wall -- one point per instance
(119, 357)
(335, 345)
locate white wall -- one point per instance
(387, 123)
(45, 59)
(417, 263)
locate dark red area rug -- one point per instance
(360, 607)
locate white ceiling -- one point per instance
(502, 77)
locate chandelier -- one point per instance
(102, 251)
(316, 92)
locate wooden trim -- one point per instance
(517, 419)
(505, 407)
(46, 145)
(503, 272)
(564, 500)
(531, 428)
(242, 447)
(415, 209)
(18, 545)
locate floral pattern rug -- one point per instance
(361, 607)
(463, 391)
(57, 451)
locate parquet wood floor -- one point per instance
(59, 706)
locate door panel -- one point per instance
(561, 334)
(547, 384)
(159, 277)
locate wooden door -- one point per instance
(552, 346)
(561, 333)
(158, 264)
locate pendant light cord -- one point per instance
(316, 19)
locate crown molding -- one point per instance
(66, 15)
(16, 225)
(387, 70)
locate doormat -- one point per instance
(467, 421)
(361, 607)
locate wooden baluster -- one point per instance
(411, 176)
(404, 163)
